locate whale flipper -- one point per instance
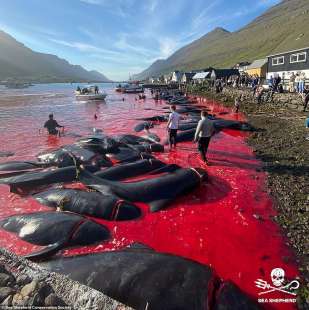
(47, 252)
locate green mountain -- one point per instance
(21, 63)
(281, 28)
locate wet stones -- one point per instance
(25, 292)
(5, 292)
(54, 300)
(28, 289)
(6, 279)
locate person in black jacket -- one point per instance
(51, 125)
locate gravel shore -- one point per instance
(25, 285)
(280, 143)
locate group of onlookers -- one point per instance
(297, 82)
(274, 84)
(243, 80)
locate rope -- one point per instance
(115, 210)
(199, 175)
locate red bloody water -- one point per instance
(226, 223)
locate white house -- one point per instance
(187, 77)
(201, 76)
(167, 78)
(176, 77)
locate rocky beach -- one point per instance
(280, 142)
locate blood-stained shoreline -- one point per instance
(226, 223)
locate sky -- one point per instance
(120, 37)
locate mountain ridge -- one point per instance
(18, 62)
(281, 28)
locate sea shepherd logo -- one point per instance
(277, 276)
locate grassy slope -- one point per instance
(283, 27)
(18, 61)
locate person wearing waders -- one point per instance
(204, 131)
(51, 125)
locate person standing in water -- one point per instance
(51, 125)
(204, 131)
(172, 126)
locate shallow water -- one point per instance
(226, 223)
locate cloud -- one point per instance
(95, 2)
(205, 15)
(85, 47)
(124, 45)
(116, 7)
(153, 5)
(167, 46)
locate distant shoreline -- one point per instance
(60, 82)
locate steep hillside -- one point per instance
(19, 62)
(283, 27)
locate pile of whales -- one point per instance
(137, 276)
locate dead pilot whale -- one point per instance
(157, 192)
(145, 279)
(55, 230)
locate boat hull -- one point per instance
(134, 91)
(91, 97)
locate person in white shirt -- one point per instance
(204, 131)
(173, 125)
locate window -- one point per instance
(298, 57)
(278, 61)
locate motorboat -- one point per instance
(119, 88)
(134, 90)
(130, 88)
(90, 93)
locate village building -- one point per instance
(241, 66)
(199, 77)
(187, 77)
(176, 77)
(152, 80)
(167, 78)
(286, 63)
(223, 73)
(258, 67)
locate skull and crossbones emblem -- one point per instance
(277, 276)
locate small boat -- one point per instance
(134, 90)
(99, 96)
(119, 88)
(89, 93)
(131, 88)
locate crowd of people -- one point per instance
(297, 82)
